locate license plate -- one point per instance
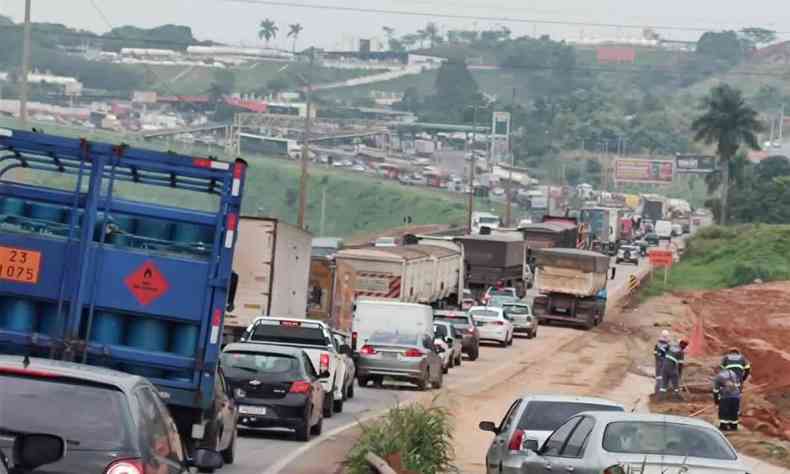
(19, 265)
(247, 410)
(390, 355)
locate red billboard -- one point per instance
(616, 55)
(630, 170)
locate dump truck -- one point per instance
(489, 259)
(604, 226)
(102, 263)
(571, 284)
(272, 261)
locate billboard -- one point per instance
(501, 124)
(630, 170)
(694, 164)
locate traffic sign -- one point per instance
(661, 257)
(633, 282)
(147, 283)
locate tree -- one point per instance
(725, 46)
(728, 122)
(455, 88)
(267, 30)
(758, 36)
(430, 33)
(293, 32)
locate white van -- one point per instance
(664, 230)
(484, 219)
(381, 315)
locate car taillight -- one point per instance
(499, 323)
(126, 466)
(516, 441)
(300, 386)
(470, 330)
(413, 353)
(354, 336)
(324, 362)
(367, 350)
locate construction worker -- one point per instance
(659, 352)
(738, 363)
(672, 369)
(727, 395)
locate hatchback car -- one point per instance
(520, 315)
(628, 254)
(277, 387)
(403, 357)
(452, 338)
(493, 325)
(112, 421)
(533, 417)
(619, 443)
(470, 343)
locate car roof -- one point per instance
(89, 373)
(262, 348)
(608, 417)
(490, 308)
(533, 397)
(303, 322)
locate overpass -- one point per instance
(178, 131)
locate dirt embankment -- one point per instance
(756, 319)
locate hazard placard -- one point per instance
(147, 283)
(661, 257)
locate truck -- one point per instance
(653, 208)
(554, 231)
(372, 315)
(484, 219)
(570, 283)
(272, 261)
(604, 228)
(103, 264)
(489, 259)
(426, 274)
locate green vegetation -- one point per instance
(725, 257)
(422, 436)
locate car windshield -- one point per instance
(499, 301)
(89, 417)
(457, 321)
(484, 313)
(393, 338)
(516, 309)
(238, 363)
(671, 439)
(503, 292)
(292, 333)
(549, 415)
(489, 220)
(440, 331)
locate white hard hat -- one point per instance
(664, 336)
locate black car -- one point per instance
(276, 387)
(112, 421)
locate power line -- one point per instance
(456, 16)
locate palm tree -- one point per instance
(293, 31)
(729, 122)
(389, 31)
(267, 30)
(430, 33)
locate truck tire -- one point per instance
(229, 454)
(328, 408)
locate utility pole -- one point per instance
(472, 165)
(509, 186)
(306, 143)
(23, 90)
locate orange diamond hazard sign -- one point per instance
(147, 283)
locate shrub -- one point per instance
(422, 436)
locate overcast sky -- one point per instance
(235, 21)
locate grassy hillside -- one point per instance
(725, 257)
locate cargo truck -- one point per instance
(604, 228)
(426, 274)
(653, 208)
(570, 284)
(138, 283)
(489, 259)
(272, 261)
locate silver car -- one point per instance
(625, 443)
(531, 419)
(403, 357)
(451, 339)
(492, 325)
(520, 314)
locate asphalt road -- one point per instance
(272, 451)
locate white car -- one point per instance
(492, 325)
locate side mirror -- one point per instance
(438, 349)
(345, 349)
(448, 340)
(31, 451)
(324, 374)
(206, 460)
(488, 426)
(531, 445)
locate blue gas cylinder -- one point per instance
(193, 234)
(107, 328)
(14, 207)
(20, 314)
(183, 341)
(46, 212)
(154, 229)
(150, 335)
(48, 319)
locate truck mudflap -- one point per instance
(586, 312)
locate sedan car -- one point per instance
(652, 239)
(533, 418)
(342, 339)
(403, 357)
(493, 325)
(470, 343)
(628, 254)
(277, 387)
(595, 442)
(520, 315)
(452, 338)
(112, 421)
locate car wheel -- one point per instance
(350, 392)
(229, 454)
(328, 406)
(510, 342)
(475, 353)
(337, 406)
(422, 384)
(459, 360)
(318, 427)
(446, 368)
(302, 432)
(503, 343)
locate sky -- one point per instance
(235, 21)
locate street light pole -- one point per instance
(472, 166)
(306, 143)
(23, 90)
(509, 186)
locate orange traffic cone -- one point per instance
(697, 347)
